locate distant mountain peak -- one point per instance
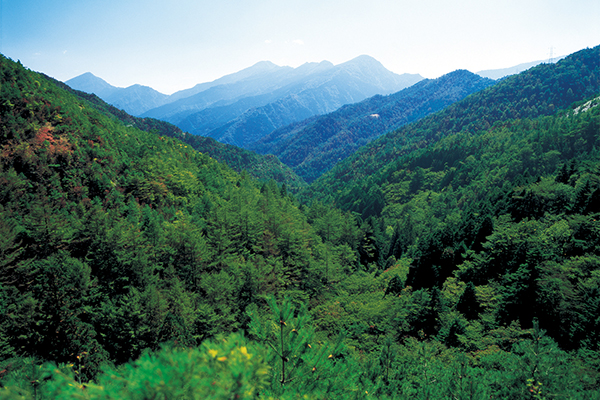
(262, 66)
(137, 86)
(365, 58)
(321, 63)
(134, 99)
(86, 77)
(90, 83)
(312, 68)
(265, 63)
(363, 61)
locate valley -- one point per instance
(329, 231)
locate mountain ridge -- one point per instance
(255, 87)
(256, 165)
(251, 118)
(574, 77)
(317, 144)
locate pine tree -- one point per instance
(468, 304)
(299, 363)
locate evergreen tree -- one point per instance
(468, 305)
(299, 363)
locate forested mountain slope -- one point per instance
(258, 166)
(513, 212)
(502, 200)
(541, 90)
(115, 240)
(313, 146)
(131, 265)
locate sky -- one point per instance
(172, 45)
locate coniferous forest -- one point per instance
(457, 257)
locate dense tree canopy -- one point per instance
(260, 167)
(134, 266)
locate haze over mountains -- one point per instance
(311, 117)
(504, 72)
(259, 78)
(314, 90)
(468, 239)
(313, 146)
(319, 87)
(134, 99)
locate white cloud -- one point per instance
(298, 42)
(268, 41)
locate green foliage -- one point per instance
(116, 240)
(226, 368)
(315, 145)
(221, 369)
(299, 363)
(262, 167)
(128, 260)
(486, 221)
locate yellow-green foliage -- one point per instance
(126, 256)
(224, 368)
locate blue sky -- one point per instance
(174, 44)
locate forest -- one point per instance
(313, 146)
(457, 257)
(258, 166)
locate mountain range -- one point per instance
(315, 90)
(243, 107)
(259, 99)
(539, 91)
(261, 167)
(138, 99)
(314, 145)
(457, 256)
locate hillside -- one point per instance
(541, 90)
(262, 167)
(481, 204)
(123, 239)
(258, 166)
(504, 211)
(133, 266)
(312, 147)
